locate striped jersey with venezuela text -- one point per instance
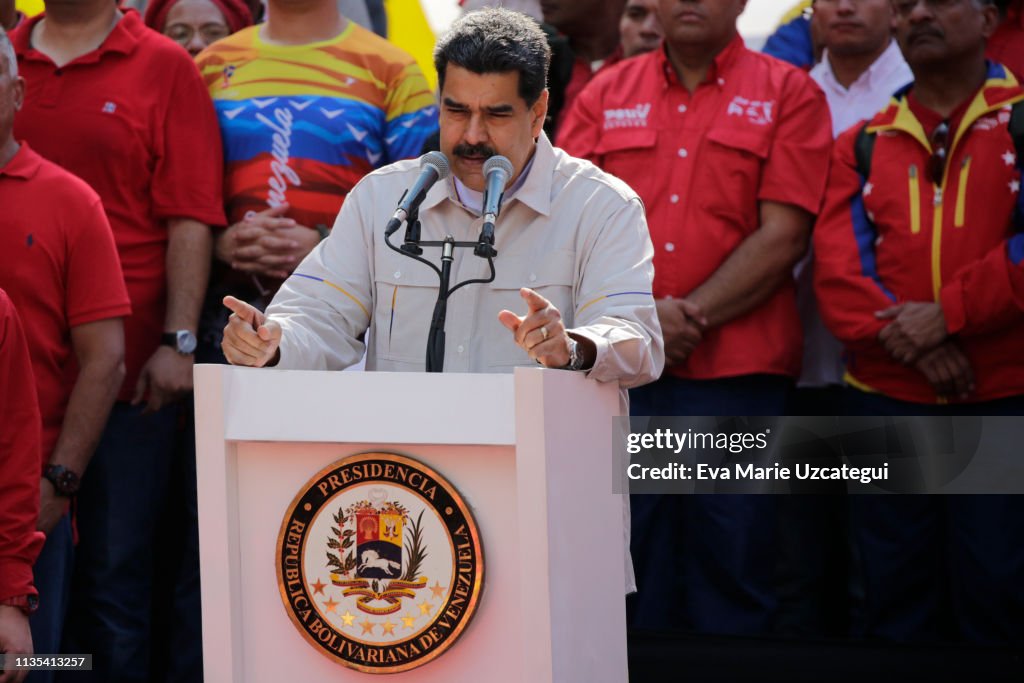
(303, 123)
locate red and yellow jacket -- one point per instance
(896, 237)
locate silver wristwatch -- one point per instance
(182, 341)
(575, 356)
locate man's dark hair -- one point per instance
(496, 41)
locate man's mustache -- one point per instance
(922, 32)
(464, 150)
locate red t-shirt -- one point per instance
(756, 130)
(59, 265)
(19, 459)
(1006, 45)
(134, 120)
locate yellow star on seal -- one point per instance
(331, 605)
(437, 589)
(389, 628)
(367, 626)
(425, 607)
(318, 587)
(409, 621)
(348, 618)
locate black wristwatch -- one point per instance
(65, 481)
(182, 341)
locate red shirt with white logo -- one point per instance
(134, 120)
(59, 265)
(756, 130)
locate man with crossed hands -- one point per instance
(575, 235)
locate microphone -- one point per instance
(433, 167)
(497, 172)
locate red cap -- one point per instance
(236, 13)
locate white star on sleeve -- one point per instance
(1009, 158)
(868, 187)
(1014, 186)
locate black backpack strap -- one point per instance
(1017, 133)
(863, 148)
(1017, 130)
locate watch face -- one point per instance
(64, 480)
(575, 358)
(186, 341)
(67, 481)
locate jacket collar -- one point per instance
(1000, 89)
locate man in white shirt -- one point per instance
(573, 235)
(859, 71)
(574, 255)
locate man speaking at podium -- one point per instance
(572, 288)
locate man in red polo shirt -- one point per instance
(125, 109)
(19, 487)
(59, 265)
(729, 151)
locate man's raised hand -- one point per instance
(249, 338)
(540, 332)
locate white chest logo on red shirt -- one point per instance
(634, 117)
(109, 107)
(757, 112)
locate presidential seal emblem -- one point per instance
(379, 563)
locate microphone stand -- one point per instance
(412, 234)
(413, 248)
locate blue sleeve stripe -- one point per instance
(865, 235)
(609, 296)
(337, 287)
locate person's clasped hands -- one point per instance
(266, 243)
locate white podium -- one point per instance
(531, 454)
